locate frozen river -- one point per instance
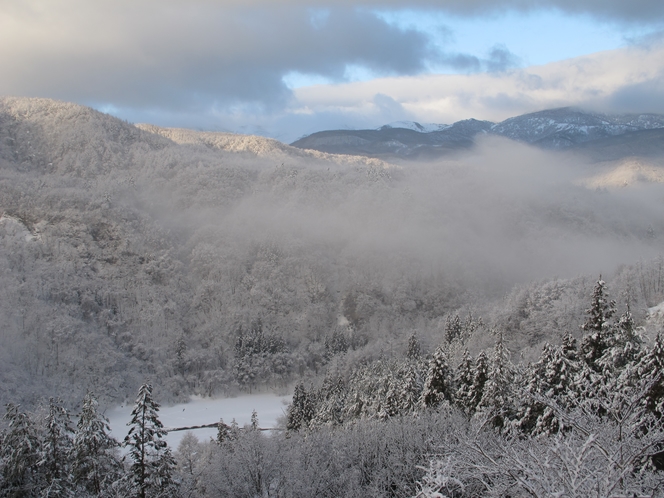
(201, 411)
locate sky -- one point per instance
(289, 68)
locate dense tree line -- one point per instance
(44, 454)
(586, 417)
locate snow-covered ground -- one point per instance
(656, 314)
(201, 411)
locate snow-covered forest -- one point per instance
(441, 326)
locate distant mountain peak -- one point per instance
(557, 129)
(415, 126)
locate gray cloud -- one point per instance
(213, 63)
(636, 11)
(194, 56)
(501, 59)
(647, 96)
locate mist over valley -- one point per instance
(137, 252)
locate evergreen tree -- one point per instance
(330, 402)
(336, 344)
(300, 411)
(453, 328)
(19, 453)
(551, 377)
(651, 368)
(414, 348)
(222, 431)
(530, 413)
(152, 463)
(480, 376)
(562, 371)
(438, 382)
(497, 399)
(464, 382)
(597, 326)
(96, 463)
(57, 452)
(409, 388)
(623, 346)
(249, 356)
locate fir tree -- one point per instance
(551, 377)
(562, 371)
(96, 464)
(597, 326)
(300, 411)
(152, 463)
(414, 348)
(19, 454)
(497, 397)
(222, 431)
(623, 346)
(438, 382)
(480, 377)
(57, 451)
(330, 402)
(464, 382)
(409, 384)
(453, 328)
(532, 410)
(651, 368)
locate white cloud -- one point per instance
(597, 81)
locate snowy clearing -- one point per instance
(201, 411)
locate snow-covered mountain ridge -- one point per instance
(556, 129)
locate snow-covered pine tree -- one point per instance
(480, 376)
(464, 384)
(330, 401)
(222, 431)
(624, 346)
(651, 367)
(152, 464)
(563, 370)
(56, 455)
(497, 399)
(409, 384)
(597, 326)
(96, 461)
(414, 348)
(300, 411)
(249, 356)
(438, 384)
(530, 413)
(19, 454)
(453, 328)
(551, 377)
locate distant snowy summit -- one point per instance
(415, 126)
(556, 129)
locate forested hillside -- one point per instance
(208, 263)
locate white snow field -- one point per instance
(201, 411)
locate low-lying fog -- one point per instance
(130, 256)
